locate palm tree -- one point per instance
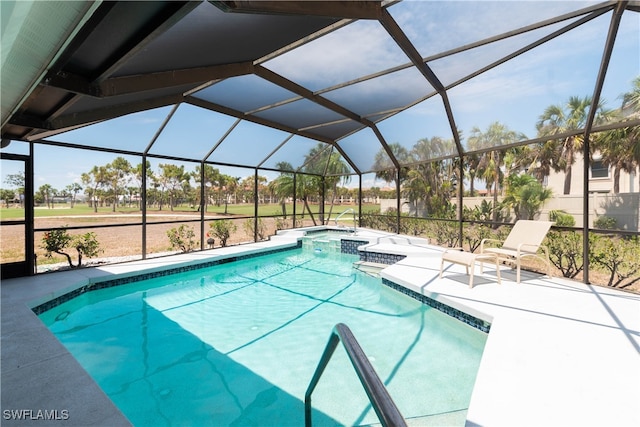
(417, 186)
(526, 195)
(617, 149)
(431, 181)
(73, 190)
(337, 173)
(471, 166)
(490, 167)
(570, 117)
(226, 187)
(631, 100)
(384, 167)
(324, 161)
(491, 162)
(540, 158)
(47, 192)
(620, 148)
(282, 186)
(309, 184)
(306, 185)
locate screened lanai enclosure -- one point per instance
(144, 128)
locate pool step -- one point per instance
(371, 268)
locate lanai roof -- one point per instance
(358, 76)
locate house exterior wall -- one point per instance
(623, 207)
(628, 182)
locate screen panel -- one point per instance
(353, 51)
(131, 132)
(191, 132)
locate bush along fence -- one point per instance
(57, 241)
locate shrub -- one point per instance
(562, 219)
(445, 233)
(385, 222)
(87, 245)
(182, 238)
(481, 212)
(60, 239)
(248, 227)
(222, 229)
(525, 195)
(618, 256)
(282, 223)
(605, 223)
(566, 251)
(56, 241)
(474, 234)
(485, 212)
(412, 226)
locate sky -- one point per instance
(514, 93)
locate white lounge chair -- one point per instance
(524, 240)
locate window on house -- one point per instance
(599, 169)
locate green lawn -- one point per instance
(240, 210)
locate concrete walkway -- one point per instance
(559, 353)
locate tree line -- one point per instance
(432, 184)
(171, 185)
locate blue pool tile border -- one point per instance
(380, 257)
(150, 275)
(348, 246)
(470, 320)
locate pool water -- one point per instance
(237, 344)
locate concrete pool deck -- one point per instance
(559, 352)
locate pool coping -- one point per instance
(515, 383)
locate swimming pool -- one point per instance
(236, 344)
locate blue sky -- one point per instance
(515, 93)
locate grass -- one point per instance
(83, 209)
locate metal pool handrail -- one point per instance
(345, 212)
(381, 401)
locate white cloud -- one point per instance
(563, 67)
(436, 26)
(353, 51)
